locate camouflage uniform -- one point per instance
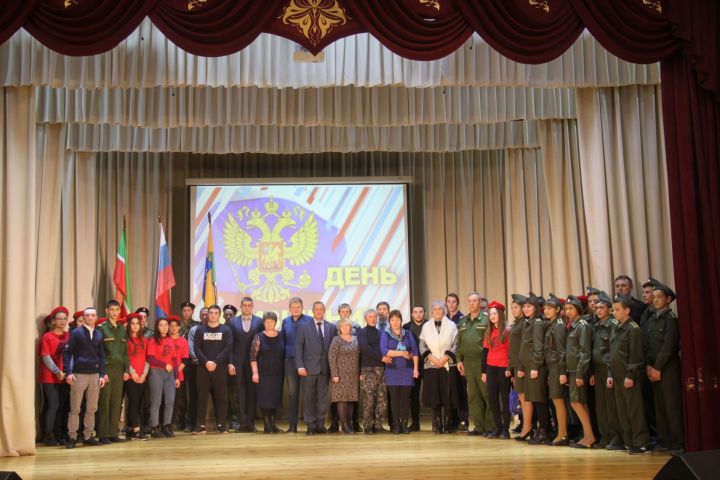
(374, 397)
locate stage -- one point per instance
(332, 456)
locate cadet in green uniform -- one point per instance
(646, 384)
(117, 365)
(532, 358)
(555, 335)
(625, 371)
(663, 370)
(514, 365)
(578, 350)
(469, 354)
(608, 426)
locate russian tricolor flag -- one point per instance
(165, 279)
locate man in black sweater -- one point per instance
(213, 344)
(415, 326)
(372, 374)
(84, 364)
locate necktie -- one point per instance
(320, 334)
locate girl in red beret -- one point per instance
(139, 368)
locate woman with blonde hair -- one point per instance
(344, 358)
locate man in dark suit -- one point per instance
(244, 328)
(311, 358)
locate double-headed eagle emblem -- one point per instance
(271, 254)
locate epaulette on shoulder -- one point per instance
(633, 324)
(539, 319)
(583, 321)
(614, 322)
(560, 321)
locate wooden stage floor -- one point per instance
(331, 456)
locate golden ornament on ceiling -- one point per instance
(195, 3)
(431, 3)
(542, 4)
(654, 4)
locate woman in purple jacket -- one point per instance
(399, 344)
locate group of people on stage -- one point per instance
(590, 371)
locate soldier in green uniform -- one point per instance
(469, 354)
(608, 426)
(117, 365)
(663, 370)
(578, 352)
(625, 370)
(555, 335)
(647, 297)
(147, 332)
(514, 360)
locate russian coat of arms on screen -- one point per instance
(272, 242)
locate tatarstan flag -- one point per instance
(121, 277)
(209, 290)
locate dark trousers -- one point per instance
(498, 386)
(293, 383)
(462, 413)
(134, 392)
(631, 413)
(57, 399)
(415, 401)
(400, 405)
(668, 406)
(180, 406)
(607, 417)
(246, 395)
(315, 399)
(218, 381)
(190, 394)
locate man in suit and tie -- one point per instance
(244, 328)
(311, 358)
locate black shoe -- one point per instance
(356, 427)
(438, 426)
(70, 443)
(266, 425)
(292, 429)
(462, 427)
(334, 428)
(639, 450)
(539, 438)
(310, 431)
(116, 439)
(222, 429)
(415, 426)
(370, 431)
(561, 442)
(404, 426)
(188, 429)
(156, 433)
(168, 431)
(448, 427)
(527, 436)
(518, 428)
(614, 446)
(662, 449)
(274, 427)
(504, 435)
(104, 441)
(321, 429)
(93, 442)
(50, 440)
(201, 430)
(494, 434)
(147, 430)
(346, 428)
(475, 433)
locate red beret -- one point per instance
(55, 311)
(583, 298)
(100, 321)
(496, 304)
(131, 316)
(122, 320)
(562, 300)
(78, 314)
(170, 318)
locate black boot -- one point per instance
(168, 430)
(396, 426)
(273, 427)
(334, 427)
(539, 438)
(267, 426)
(156, 433)
(449, 426)
(438, 426)
(404, 426)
